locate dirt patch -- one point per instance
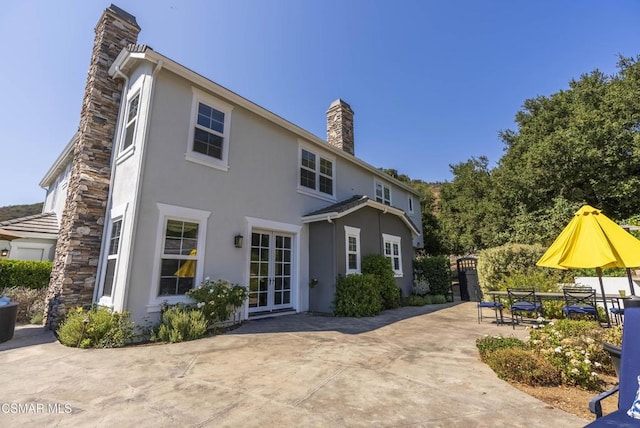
(572, 400)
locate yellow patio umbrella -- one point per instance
(188, 269)
(592, 240)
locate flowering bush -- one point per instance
(218, 300)
(420, 287)
(575, 347)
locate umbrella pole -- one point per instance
(631, 287)
(604, 299)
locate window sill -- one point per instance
(316, 195)
(207, 161)
(125, 154)
(156, 305)
(398, 274)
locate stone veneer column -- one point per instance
(78, 249)
(340, 126)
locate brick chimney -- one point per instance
(78, 249)
(340, 126)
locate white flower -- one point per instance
(594, 374)
(208, 278)
(587, 361)
(551, 323)
(558, 349)
(574, 371)
(597, 364)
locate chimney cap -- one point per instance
(124, 15)
(340, 102)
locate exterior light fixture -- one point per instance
(237, 241)
(4, 252)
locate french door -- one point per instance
(270, 271)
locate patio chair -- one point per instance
(617, 310)
(629, 372)
(580, 302)
(495, 305)
(523, 301)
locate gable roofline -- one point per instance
(59, 164)
(354, 204)
(43, 225)
(143, 52)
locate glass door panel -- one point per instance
(270, 271)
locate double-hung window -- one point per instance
(317, 173)
(352, 250)
(112, 257)
(209, 132)
(132, 119)
(383, 193)
(179, 257)
(393, 252)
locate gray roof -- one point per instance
(342, 206)
(354, 202)
(38, 223)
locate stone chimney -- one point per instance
(340, 126)
(78, 249)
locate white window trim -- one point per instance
(199, 158)
(316, 193)
(411, 202)
(352, 232)
(117, 214)
(392, 239)
(173, 212)
(125, 153)
(375, 195)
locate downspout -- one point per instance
(134, 208)
(107, 214)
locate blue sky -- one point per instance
(431, 82)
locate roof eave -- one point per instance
(65, 157)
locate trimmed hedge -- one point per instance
(22, 273)
(436, 271)
(357, 296)
(379, 266)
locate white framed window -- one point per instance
(410, 203)
(112, 257)
(316, 174)
(383, 193)
(352, 249)
(129, 131)
(179, 260)
(208, 142)
(393, 252)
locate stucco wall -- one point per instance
(261, 183)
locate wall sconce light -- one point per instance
(4, 252)
(237, 241)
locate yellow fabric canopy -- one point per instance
(592, 240)
(188, 269)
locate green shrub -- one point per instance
(544, 280)
(37, 318)
(22, 273)
(30, 301)
(438, 299)
(180, 324)
(524, 366)
(357, 296)
(495, 264)
(575, 348)
(379, 266)
(218, 300)
(428, 299)
(415, 300)
(95, 328)
(436, 271)
(490, 344)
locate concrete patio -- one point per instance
(414, 367)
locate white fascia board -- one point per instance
(59, 164)
(321, 217)
(168, 64)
